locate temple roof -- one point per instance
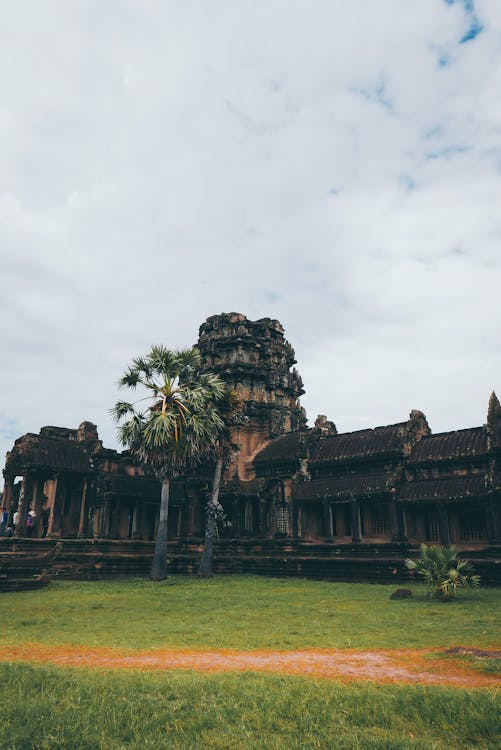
(456, 488)
(446, 446)
(47, 453)
(347, 446)
(361, 444)
(283, 448)
(344, 487)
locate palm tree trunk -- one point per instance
(159, 566)
(205, 570)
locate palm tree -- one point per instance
(443, 572)
(230, 407)
(177, 426)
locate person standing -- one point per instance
(4, 517)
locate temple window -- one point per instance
(472, 527)
(433, 526)
(377, 520)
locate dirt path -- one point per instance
(400, 665)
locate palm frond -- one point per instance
(130, 379)
(121, 410)
(188, 363)
(141, 365)
(163, 361)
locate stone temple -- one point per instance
(301, 501)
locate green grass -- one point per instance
(45, 708)
(245, 612)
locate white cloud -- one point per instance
(336, 166)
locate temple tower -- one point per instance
(255, 359)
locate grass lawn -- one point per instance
(45, 708)
(245, 612)
(50, 708)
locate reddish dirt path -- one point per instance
(399, 665)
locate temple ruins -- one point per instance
(313, 497)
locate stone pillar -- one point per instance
(493, 516)
(356, 522)
(182, 509)
(25, 498)
(37, 506)
(82, 531)
(299, 520)
(295, 520)
(114, 517)
(235, 520)
(136, 521)
(327, 521)
(8, 492)
(56, 506)
(94, 521)
(401, 522)
(261, 517)
(445, 534)
(92, 510)
(104, 520)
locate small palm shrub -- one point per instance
(443, 571)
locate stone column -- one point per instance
(235, 512)
(115, 518)
(56, 506)
(299, 520)
(401, 522)
(104, 520)
(136, 521)
(445, 534)
(8, 491)
(37, 506)
(91, 509)
(260, 517)
(295, 520)
(25, 498)
(356, 522)
(83, 512)
(493, 517)
(327, 521)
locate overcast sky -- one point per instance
(335, 165)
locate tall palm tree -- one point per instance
(230, 407)
(175, 428)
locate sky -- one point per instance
(333, 165)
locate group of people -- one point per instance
(8, 525)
